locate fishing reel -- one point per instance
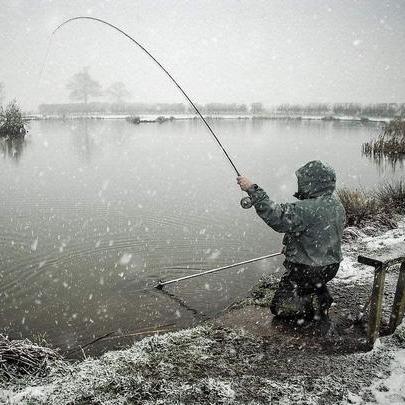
(246, 203)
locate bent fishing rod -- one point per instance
(246, 201)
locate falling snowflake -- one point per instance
(125, 259)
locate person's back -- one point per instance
(313, 228)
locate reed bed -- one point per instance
(391, 142)
(11, 121)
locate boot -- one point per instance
(325, 301)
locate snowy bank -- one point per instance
(353, 272)
(213, 363)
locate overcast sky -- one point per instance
(224, 50)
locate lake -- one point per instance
(95, 211)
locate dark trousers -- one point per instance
(299, 283)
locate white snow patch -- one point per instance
(27, 395)
(393, 391)
(351, 272)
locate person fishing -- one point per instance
(313, 228)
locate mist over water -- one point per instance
(93, 211)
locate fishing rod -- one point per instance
(245, 202)
(164, 70)
(161, 284)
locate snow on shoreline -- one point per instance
(165, 369)
(353, 272)
(195, 366)
(153, 117)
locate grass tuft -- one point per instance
(391, 197)
(22, 357)
(360, 207)
(379, 206)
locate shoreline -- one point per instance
(241, 356)
(161, 118)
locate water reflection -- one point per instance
(391, 162)
(12, 148)
(83, 144)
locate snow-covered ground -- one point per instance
(350, 270)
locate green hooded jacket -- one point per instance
(313, 226)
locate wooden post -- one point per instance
(398, 308)
(381, 260)
(376, 304)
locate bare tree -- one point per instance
(82, 86)
(118, 92)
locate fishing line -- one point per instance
(161, 66)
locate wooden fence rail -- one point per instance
(381, 262)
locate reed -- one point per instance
(11, 121)
(391, 142)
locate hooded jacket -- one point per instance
(313, 226)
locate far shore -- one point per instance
(155, 118)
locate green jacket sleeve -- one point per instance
(285, 218)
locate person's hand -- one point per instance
(244, 183)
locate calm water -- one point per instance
(94, 211)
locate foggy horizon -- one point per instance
(228, 52)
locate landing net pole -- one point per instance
(161, 284)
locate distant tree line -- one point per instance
(112, 108)
(145, 108)
(82, 87)
(388, 110)
(349, 109)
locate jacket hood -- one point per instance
(315, 179)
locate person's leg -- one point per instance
(294, 295)
(285, 288)
(324, 275)
(305, 288)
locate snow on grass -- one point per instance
(391, 390)
(207, 365)
(389, 387)
(170, 366)
(350, 270)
